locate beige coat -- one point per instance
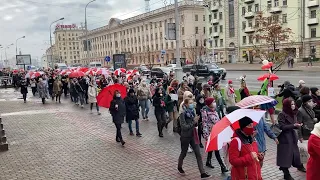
(57, 87)
(92, 94)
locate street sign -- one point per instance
(163, 52)
(107, 58)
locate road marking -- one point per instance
(34, 112)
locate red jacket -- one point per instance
(244, 167)
(313, 165)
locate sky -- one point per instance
(32, 18)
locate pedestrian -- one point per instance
(244, 91)
(243, 152)
(170, 107)
(198, 89)
(221, 103)
(310, 60)
(188, 120)
(57, 89)
(24, 89)
(287, 150)
(42, 90)
(50, 86)
(306, 116)
(301, 85)
(200, 104)
(64, 81)
(92, 96)
(315, 94)
(73, 91)
(184, 87)
(118, 112)
(206, 91)
(159, 110)
(209, 118)
(80, 92)
(303, 91)
(230, 94)
(132, 111)
(313, 164)
(33, 84)
(287, 91)
(144, 96)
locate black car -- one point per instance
(159, 72)
(187, 68)
(143, 70)
(206, 70)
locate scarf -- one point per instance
(189, 113)
(246, 91)
(231, 89)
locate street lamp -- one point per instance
(86, 26)
(51, 37)
(5, 51)
(17, 43)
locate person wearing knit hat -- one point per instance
(217, 95)
(307, 116)
(209, 118)
(230, 94)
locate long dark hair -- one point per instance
(115, 94)
(286, 107)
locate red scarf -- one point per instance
(246, 91)
(231, 89)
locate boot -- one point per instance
(287, 175)
(223, 168)
(302, 169)
(208, 163)
(160, 130)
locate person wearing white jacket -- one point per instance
(92, 96)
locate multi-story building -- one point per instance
(143, 37)
(67, 44)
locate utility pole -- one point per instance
(178, 69)
(86, 26)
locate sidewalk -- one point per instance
(301, 66)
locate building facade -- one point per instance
(67, 44)
(143, 37)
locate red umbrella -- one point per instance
(103, 71)
(105, 97)
(64, 72)
(223, 130)
(256, 100)
(117, 72)
(267, 66)
(16, 71)
(84, 69)
(36, 74)
(76, 74)
(91, 72)
(272, 77)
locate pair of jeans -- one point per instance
(220, 112)
(24, 95)
(91, 106)
(200, 131)
(82, 98)
(185, 142)
(137, 125)
(118, 133)
(34, 90)
(58, 97)
(75, 98)
(218, 157)
(145, 105)
(161, 120)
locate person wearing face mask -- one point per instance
(307, 116)
(206, 91)
(92, 96)
(184, 87)
(118, 112)
(188, 121)
(159, 110)
(303, 91)
(287, 150)
(315, 94)
(199, 106)
(209, 118)
(170, 106)
(57, 89)
(144, 95)
(132, 111)
(243, 152)
(230, 94)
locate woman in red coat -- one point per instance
(243, 153)
(313, 165)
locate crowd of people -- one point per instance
(194, 108)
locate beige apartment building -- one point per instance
(143, 37)
(66, 48)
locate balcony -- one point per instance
(215, 21)
(249, 30)
(275, 10)
(214, 7)
(248, 1)
(313, 21)
(313, 3)
(215, 34)
(249, 15)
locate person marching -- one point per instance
(57, 89)
(159, 110)
(132, 111)
(92, 96)
(24, 89)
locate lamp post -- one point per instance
(86, 26)
(5, 52)
(17, 43)
(51, 38)
(178, 55)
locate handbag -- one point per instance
(275, 128)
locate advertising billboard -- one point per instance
(119, 61)
(23, 59)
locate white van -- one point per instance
(95, 64)
(61, 66)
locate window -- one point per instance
(313, 32)
(196, 17)
(215, 28)
(204, 30)
(269, 5)
(313, 49)
(244, 39)
(204, 17)
(244, 23)
(197, 42)
(276, 3)
(276, 18)
(221, 28)
(314, 14)
(196, 30)
(220, 15)
(183, 43)
(284, 18)
(215, 43)
(284, 2)
(210, 30)
(182, 30)
(250, 8)
(257, 24)
(269, 20)
(243, 10)
(221, 42)
(231, 18)
(210, 18)
(250, 24)
(250, 39)
(215, 16)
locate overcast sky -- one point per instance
(32, 18)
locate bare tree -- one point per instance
(195, 47)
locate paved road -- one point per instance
(65, 142)
(311, 78)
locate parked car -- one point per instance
(187, 68)
(143, 70)
(206, 70)
(160, 71)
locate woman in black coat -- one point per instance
(287, 150)
(199, 106)
(118, 112)
(24, 89)
(159, 110)
(132, 111)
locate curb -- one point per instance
(256, 70)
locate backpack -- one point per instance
(225, 149)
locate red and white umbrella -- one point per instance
(16, 71)
(65, 72)
(90, 72)
(223, 130)
(256, 100)
(29, 74)
(117, 72)
(36, 74)
(76, 74)
(103, 71)
(272, 77)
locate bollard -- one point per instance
(3, 138)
